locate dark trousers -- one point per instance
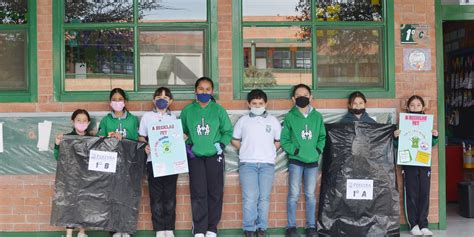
(417, 195)
(162, 200)
(206, 183)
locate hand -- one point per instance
(147, 149)
(116, 135)
(59, 137)
(434, 132)
(396, 133)
(185, 137)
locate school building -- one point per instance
(57, 56)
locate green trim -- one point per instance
(456, 12)
(441, 114)
(31, 93)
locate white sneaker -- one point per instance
(426, 232)
(81, 235)
(199, 235)
(169, 233)
(118, 234)
(211, 234)
(416, 231)
(161, 234)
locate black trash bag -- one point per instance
(96, 199)
(359, 151)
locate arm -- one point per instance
(434, 140)
(102, 128)
(182, 116)
(321, 138)
(236, 143)
(225, 127)
(277, 145)
(285, 139)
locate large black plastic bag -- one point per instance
(359, 151)
(94, 199)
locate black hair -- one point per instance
(160, 91)
(198, 81)
(80, 111)
(296, 87)
(356, 94)
(118, 90)
(256, 94)
(412, 98)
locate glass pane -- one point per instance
(86, 11)
(272, 57)
(13, 12)
(276, 10)
(350, 57)
(349, 10)
(13, 69)
(174, 58)
(173, 10)
(102, 58)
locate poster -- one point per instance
(167, 148)
(414, 144)
(416, 59)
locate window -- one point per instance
(18, 38)
(334, 46)
(138, 45)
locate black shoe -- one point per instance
(291, 232)
(249, 233)
(311, 232)
(261, 233)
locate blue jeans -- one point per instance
(310, 175)
(256, 181)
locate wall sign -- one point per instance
(360, 189)
(103, 161)
(416, 59)
(413, 33)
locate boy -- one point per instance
(303, 138)
(257, 136)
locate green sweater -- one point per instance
(303, 138)
(128, 122)
(205, 127)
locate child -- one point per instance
(356, 109)
(81, 120)
(162, 190)
(209, 130)
(303, 138)
(417, 181)
(257, 136)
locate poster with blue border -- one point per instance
(414, 143)
(167, 148)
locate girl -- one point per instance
(162, 190)
(356, 107)
(209, 130)
(80, 120)
(417, 181)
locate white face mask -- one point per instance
(257, 111)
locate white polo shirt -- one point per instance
(150, 117)
(257, 135)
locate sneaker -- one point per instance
(161, 233)
(426, 232)
(291, 232)
(169, 233)
(261, 233)
(125, 235)
(416, 231)
(199, 235)
(118, 234)
(81, 235)
(248, 233)
(211, 234)
(311, 232)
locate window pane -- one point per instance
(278, 64)
(350, 57)
(86, 11)
(276, 10)
(349, 10)
(173, 58)
(173, 10)
(13, 12)
(102, 58)
(13, 69)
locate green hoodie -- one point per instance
(205, 127)
(303, 138)
(111, 123)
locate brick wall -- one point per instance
(25, 200)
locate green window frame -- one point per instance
(210, 61)
(31, 92)
(387, 44)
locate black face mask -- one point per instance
(357, 111)
(302, 101)
(418, 112)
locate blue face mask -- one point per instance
(161, 104)
(203, 98)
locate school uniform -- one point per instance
(126, 125)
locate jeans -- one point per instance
(256, 181)
(310, 176)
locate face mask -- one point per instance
(161, 104)
(117, 106)
(81, 127)
(357, 111)
(417, 112)
(257, 111)
(302, 101)
(204, 98)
